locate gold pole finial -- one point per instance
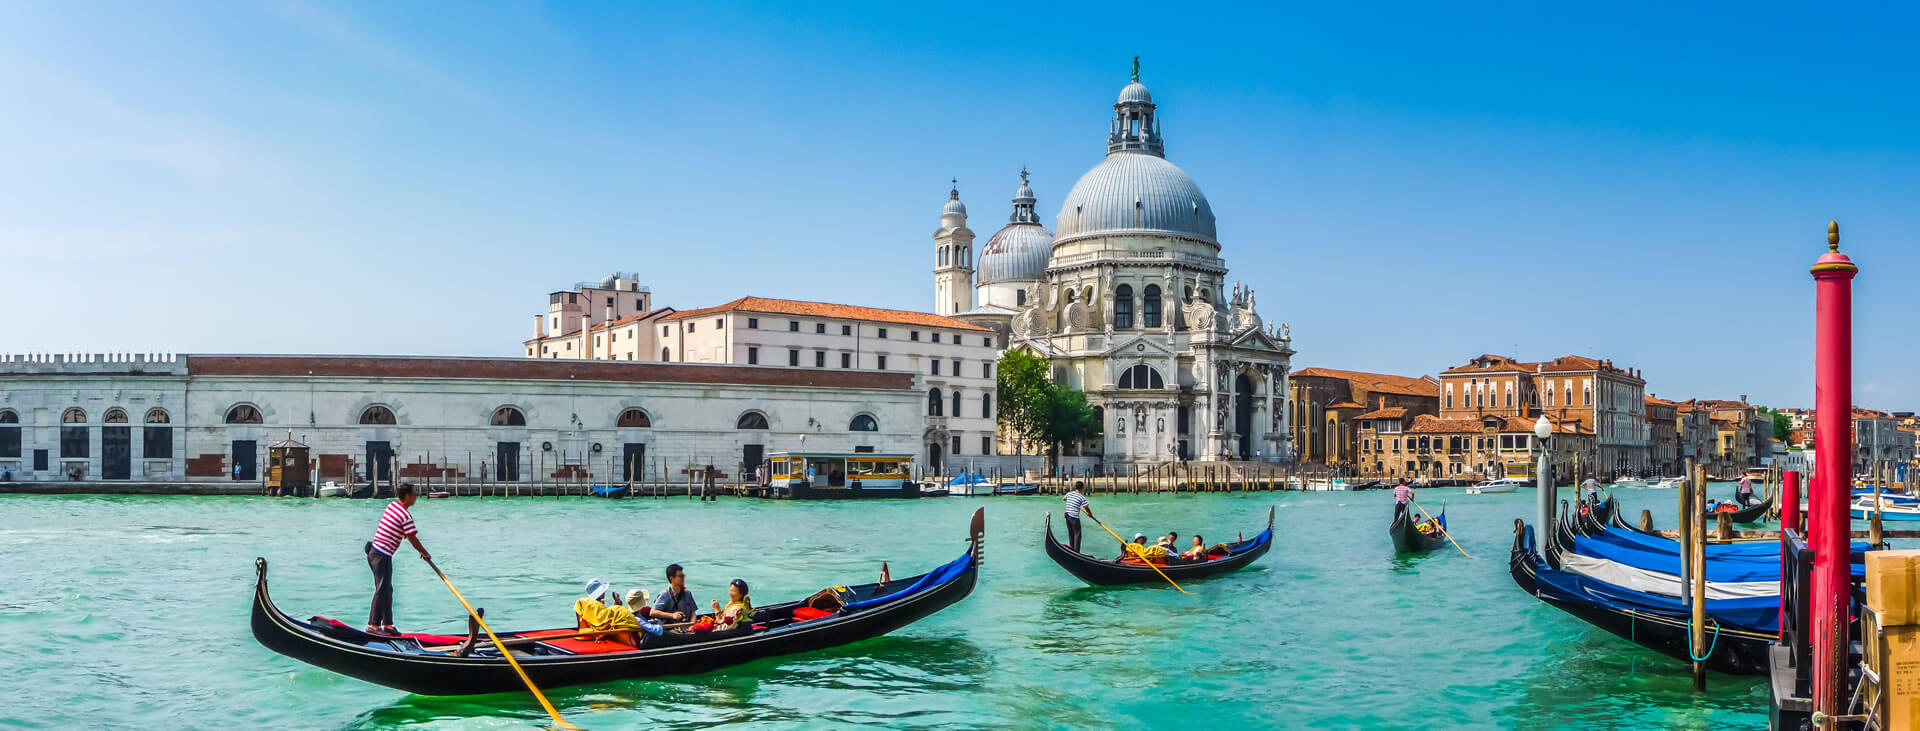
(1833, 236)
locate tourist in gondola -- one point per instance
(676, 603)
(1130, 550)
(1076, 504)
(739, 608)
(396, 522)
(1402, 497)
(1198, 551)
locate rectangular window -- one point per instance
(73, 442)
(882, 334)
(986, 445)
(913, 335)
(936, 337)
(39, 460)
(793, 356)
(691, 326)
(793, 326)
(663, 330)
(156, 442)
(846, 360)
(956, 369)
(936, 368)
(753, 323)
(819, 359)
(753, 356)
(956, 444)
(820, 328)
(881, 362)
(10, 441)
(987, 341)
(986, 369)
(846, 329)
(719, 324)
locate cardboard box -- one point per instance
(1893, 586)
(1898, 664)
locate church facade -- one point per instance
(1130, 300)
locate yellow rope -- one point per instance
(504, 652)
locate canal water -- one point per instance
(132, 612)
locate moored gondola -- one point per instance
(1222, 558)
(1407, 537)
(459, 665)
(1655, 622)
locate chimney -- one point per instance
(609, 348)
(540, 326)
(586, 336)
(1743, 398)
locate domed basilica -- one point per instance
(1128, 297)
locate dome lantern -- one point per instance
(1134, 127)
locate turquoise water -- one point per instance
(132, 611)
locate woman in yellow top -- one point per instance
(739, 607)
(1199, 549)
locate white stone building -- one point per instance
(197, 418)
(608, 320)
(1129, 299)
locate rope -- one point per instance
(1710, 645)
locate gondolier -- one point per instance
(1076, 504)
(1745, 493)
(1402, 495)
(396, 522)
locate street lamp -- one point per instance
(1543, 480)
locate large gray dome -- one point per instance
(1135, 193)
(1018, 252)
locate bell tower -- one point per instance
(953, 258)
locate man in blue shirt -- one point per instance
(676, 603)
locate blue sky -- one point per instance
(1409, 186)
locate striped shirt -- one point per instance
(1402, 494)
(1076, 502)
(395, 524)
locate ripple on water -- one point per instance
(132, 611)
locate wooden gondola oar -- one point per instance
(1143, 559)
(508, 654)
(1443, 529)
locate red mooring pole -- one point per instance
(1829, 522)
(1789, 520)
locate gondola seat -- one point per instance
(802, 614)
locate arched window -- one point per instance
(156, 437)
(1070, 296)
(115, 415)
(956, 404)
(1141, 376)
(243, 414)
(863, 422)
(986, 406)
(158, 416)
(8, 417)
(1123, 307)
(935, 406)
(635, 418)
(666, 355)
(751, 420)
(507, 416)
(1187, 297)
(377, 414)
(1150, 306)
(73, 416)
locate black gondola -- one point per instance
(1103, 572)
(1734, 650)
(1408, 539)
(432, 665)
(1751, 514)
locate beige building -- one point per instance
(955, 360)
(1394, 444)
(1609, 403)
(607, 320)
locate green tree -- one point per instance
(1069, 418)
(1782, 427)
(1023, 390)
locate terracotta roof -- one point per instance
(1429, 424)
(1379, 382)
(823, 309)
(1345, 405)
(1393, 413)
(1661, 401)
(1496, 363)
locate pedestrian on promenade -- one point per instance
(396, 522)
(1076, 504)
(1402, 496)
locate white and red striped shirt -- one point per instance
(395, 524)
(1402, 493)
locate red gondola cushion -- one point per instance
(588, 646)
(802, 614)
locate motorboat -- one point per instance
(333, 489)
(1863, 507)
(1631, 481)
(1673, 482)
(1504, 484)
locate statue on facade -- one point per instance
(1200, 316)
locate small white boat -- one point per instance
(1630, 481)
(1504, 484)
(333, 489)
(1671, 482)
(1320, 485)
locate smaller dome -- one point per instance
(954, 206)
(1135, 92)
(1017, 253)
